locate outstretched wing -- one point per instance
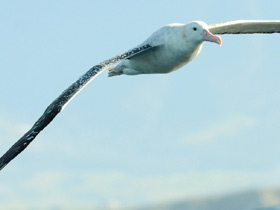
(61, 101)
(246, 27)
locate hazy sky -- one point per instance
(210, 128)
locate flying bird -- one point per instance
(166, 50)
(175, 45)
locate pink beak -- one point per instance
(208, 36)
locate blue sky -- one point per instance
(210, 128)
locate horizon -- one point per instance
(211, 127)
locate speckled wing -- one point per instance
(60, 102)
(246, 27)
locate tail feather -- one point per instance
(113, 72)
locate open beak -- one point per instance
(208, 36)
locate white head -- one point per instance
(198, 31)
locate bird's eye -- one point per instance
(194, 28)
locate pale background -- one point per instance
(210, 128)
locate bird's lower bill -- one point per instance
(208, 36)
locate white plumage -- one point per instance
(175, 45)
(172, 47)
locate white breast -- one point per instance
(169, 56)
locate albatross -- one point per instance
(166, 50)
(175, 45)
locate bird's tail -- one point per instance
(114, 72)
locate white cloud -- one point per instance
(125, 187)
(113, 189)
(46, 181)
(10, 132)
(229, 126)
(11, 129)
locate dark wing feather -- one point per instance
(61, 101)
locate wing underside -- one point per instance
(246, 27)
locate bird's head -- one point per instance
(198, 31)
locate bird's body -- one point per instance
(173, 46)
(164, 51)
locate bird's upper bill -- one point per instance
(208, 36)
